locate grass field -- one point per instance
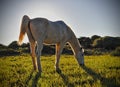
(99, 71)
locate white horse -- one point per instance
(41, 30)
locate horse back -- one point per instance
(57, 32)
(51, 32)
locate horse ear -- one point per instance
(82, 49)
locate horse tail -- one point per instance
(23, 28)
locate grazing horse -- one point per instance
(42, 31)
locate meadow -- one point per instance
(99, 71)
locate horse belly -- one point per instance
(49, 42)
(52, 39)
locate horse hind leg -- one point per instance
(38, 54)
(33, 55)
(59, 48)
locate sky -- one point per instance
(85, 17)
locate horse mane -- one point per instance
(74, 42)
(24, 27)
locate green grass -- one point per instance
(100, 71)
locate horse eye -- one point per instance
(81, 48)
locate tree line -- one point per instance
(92, 45)
(96, 41)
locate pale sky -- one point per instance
(85, 17)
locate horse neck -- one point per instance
(75, 45)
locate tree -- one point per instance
(85, 42)
(116, 52)
(94, 37)
(97, 43)
(107, 42)
(13, 45)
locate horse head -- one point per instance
(80, 57)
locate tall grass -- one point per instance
(16, 71)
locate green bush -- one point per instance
(9, 52)
(94, 37)
(111, 42)
(96, 51)
(116, 52)
(98, 43)
(107, 42)
(2, 47)
(13, 45)
(85, 42)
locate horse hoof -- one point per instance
(38, 74)
(58, 70)
(81, 64)
(40, 71)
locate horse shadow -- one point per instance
(65, 79)
(33, 78)
(29, 78)
(107, 82)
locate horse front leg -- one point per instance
(38, 53)
(33, 55)
(59, 48)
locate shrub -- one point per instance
(13, 45)
(25, 45)
(85, 42)
(2, 46)
(96, 51)
(98, 43)
(107, 42)
(9, 52)
(110, 42)
(116, 52)
(94, 37)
